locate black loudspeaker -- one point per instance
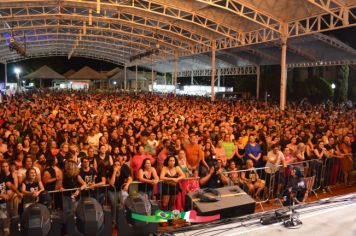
(91, 219)
(233, 202)
(36, 220)
(2, 233)
(140, 205)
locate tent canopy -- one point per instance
(69, 73)
(44, 73)
(87, 73)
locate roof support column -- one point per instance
(165, 82)
(125, 78)
(136, 81)
(192, 78)
(283, 85)
(219, 75)
(258, 74)
(213, 60)
(152, 77)
(175, 73)
(5, 64)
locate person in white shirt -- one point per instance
(275, 160)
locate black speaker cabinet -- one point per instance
(234, 202)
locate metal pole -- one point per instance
(5, 78)
(219, 75)
(192, 78)
(152, 77)
(125, 78)
(175, 75)
(213, 53)
(258, 74)
(136, 81)
(283, 93)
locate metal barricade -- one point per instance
(65, 200)
(253, 181)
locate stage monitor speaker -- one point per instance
(233, 202)
(135, 204)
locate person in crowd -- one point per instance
(27, 163)
(252, 180)
(9, 189)
(72, 184)
(148, 177)
(170, 175)
(120, 178)
(31, 187)
(296, 189)
(275, 160)
(194, 152)
(214, 176)
(345, 152)
(240, 153)
(233, 174)
(138, 159)
(253, 151)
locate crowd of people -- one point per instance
(166, 146)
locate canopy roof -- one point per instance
(244, 32)
(87, 73)
(130, 75)
(44, 73)
(69, 73)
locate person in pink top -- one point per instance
(137, 160)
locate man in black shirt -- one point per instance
(119, 176)
(214, 177)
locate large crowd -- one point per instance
(165, 146)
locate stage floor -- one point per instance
(326, 219)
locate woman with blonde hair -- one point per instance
(72, 182)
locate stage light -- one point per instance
(17, 70)
(90, 216)
(14, 46)
(36, 220)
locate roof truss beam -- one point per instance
(247, 11)
(329, 5)
(23, 15)
(244, 70)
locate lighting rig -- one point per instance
(15, 46)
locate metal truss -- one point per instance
(119, 20)
(92, 33)
(329, 5)
(322, 63)
(296, 50)
(43, 50)
(170, 11)
(248, 11)
(244, 70)
(61, 54)
(301, 27)
(335, 43)
(45, 18)
(259, 53)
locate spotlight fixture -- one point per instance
(15, 46)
